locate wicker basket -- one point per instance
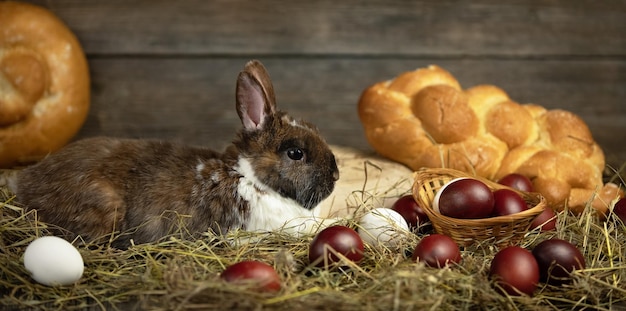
(501, 230)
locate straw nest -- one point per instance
(178, 274)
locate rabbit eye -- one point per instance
(295, 154)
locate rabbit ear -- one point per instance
(255, 95)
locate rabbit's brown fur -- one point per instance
(277, 169)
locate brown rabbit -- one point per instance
(277, 170)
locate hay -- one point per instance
(178, 274)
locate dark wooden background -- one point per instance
(167, 69)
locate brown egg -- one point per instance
(557, 259)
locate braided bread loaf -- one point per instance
(424, 118)
(44, 83)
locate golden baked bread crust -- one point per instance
(423, 118)
(44, 83)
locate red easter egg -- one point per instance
(557, 259)
(411, 211)
(464, 198)
(339, 239)
(546, 220)
(620, 209)
(437, 250)
(507, 202)
(256, 274)
(515, 271)
(517, 181)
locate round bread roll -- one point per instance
(423, 118)
(44, 84)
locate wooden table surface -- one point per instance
(167, 69)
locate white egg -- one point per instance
(438, 194)
(383, 226)
(53, 261)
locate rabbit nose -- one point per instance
(333, 163)
(336, 174)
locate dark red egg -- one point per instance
(464, 198)
(546, 220)
(256, 274)
(411, 211)
(557, 259)
(507, 202)
(335, 240)
(619, 209)
(437, 250)
(517, 181)
(515, 271)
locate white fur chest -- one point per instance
(269, 211)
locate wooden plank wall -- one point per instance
(167, 69)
